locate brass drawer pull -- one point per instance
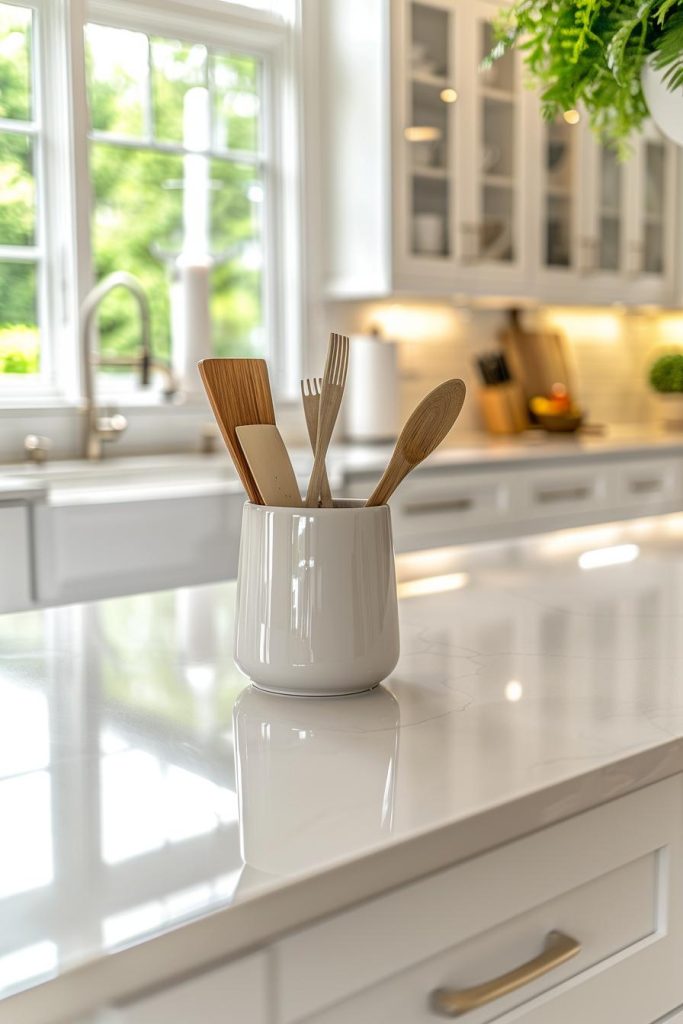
(563, 494)
(454, 1002)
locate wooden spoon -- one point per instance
(426, 428)
(239, 393)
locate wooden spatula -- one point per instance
(270, 464)
(239, 393)
(426, 428)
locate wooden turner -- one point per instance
(239, 393)
(426, 428)
(270, 464)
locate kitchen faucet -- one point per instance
(101, 428)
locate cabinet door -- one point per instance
(15, 559)
(559, 197)
(651, 229)
(493, 176)
(424, 41)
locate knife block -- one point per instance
(503, 408)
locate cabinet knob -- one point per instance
(454, 1002)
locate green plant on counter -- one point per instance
(666, 374)
(592, 52)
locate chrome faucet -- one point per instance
(101, 428)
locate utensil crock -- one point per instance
(317, 612)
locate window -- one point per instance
(176, 158)
(168, 153)
(20, 236)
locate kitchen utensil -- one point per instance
(310, 396)
(317, 611)
(426, 428)
(270, 464)
(239, 393)
(334, 379)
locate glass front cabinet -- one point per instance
(465, 188)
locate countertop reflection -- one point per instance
(143, 783)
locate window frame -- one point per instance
(65, 230)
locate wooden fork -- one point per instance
(334, 379)
(310, 396)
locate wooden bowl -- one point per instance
(560, 423)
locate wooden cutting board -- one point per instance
(536, 359)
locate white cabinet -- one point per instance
(89, 550)
(234, 992)
(464, 183)
(15, 558)
(445, 506)
(613, 888)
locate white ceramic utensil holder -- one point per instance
(317, 612)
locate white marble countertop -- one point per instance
(155, 810)
(185, 475)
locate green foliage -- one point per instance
(592, 52)
(137, 209)
(666, 373)
(19, 350)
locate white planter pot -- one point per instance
(666, 107)
(670, 410)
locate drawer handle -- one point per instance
(563, 494)
(454, 1002)
(645, 486)
(424, 507)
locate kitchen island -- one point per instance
(175, 839)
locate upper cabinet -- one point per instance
(439, 178)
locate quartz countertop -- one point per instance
(156, 810)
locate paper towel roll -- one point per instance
(372, 392)
(191, 323)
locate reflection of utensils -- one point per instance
(310, 771)
(496, 240)
(490, 158)
(429, 234)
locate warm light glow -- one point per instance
(433, 585)
(601, 557)
(572, 116)
(413, 321)
(514, 691)
(585, 325)
(422, 133)
(569, 542)
(448, 95)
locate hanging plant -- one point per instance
(594, 53)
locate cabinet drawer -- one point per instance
(552, 494)
(430, 509)
(611, 886)
(233, 992)
(648, 484)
